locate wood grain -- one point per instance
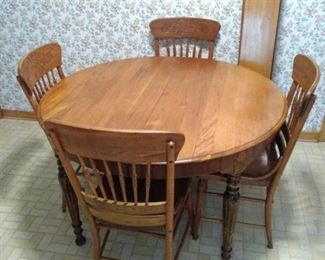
(221, 108)
(268, 167)
(258, 35)
(39, 70)
(184, 36)
(24, 115)
(130, 209)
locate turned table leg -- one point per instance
(230, 210)
(71, 202)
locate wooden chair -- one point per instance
(184, 36)
(268, 168)
(38, 72)
(116, 192)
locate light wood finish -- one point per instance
(258, 35)
(38, 72)
(25, 115)
(267, 169)
(184, 36)
(127, 201)
(212, 103)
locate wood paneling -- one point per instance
(258, 35)
(1, 113)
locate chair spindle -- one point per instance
(148, 182)
(110, 180)
(135, 184)
(122, 181)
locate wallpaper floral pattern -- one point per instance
(96, 31)
(302, 30)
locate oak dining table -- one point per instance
(227, 113)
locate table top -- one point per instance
(221, 108)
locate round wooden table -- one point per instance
(226, 112)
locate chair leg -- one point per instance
(96, 242)
(189, 206)
(104, 244)
(268, 221)
(198, 210)
(72, 203)
(179, 248)
(64, 204)
(169, 245)
(190, 209)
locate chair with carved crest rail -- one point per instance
(38, 72)
(117, 188)
(267, 169)
(184, 36)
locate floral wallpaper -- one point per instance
(96, 31)
(302, 30)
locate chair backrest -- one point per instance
(112, 191)
(300, 99)
(40, 70)
(184, 36)
(305, 77)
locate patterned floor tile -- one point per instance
(32, 225)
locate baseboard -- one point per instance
(309, 136)
(26, 115)
(321, 137)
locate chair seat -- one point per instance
(259, 167)
(262, 164)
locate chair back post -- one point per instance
(170, 193)
(28, 94)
